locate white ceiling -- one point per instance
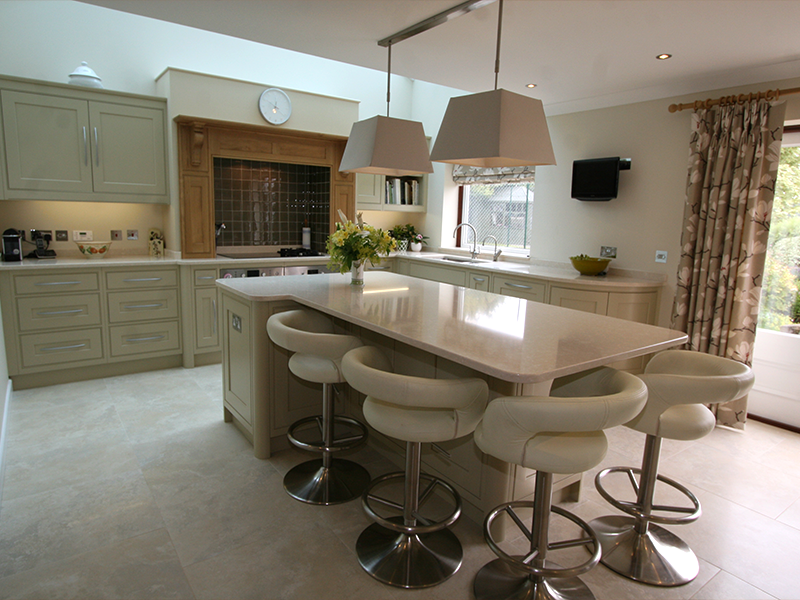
(582, 54)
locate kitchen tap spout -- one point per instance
(497, 252)
(475, 251)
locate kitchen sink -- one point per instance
(461, 259)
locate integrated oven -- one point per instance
(251, 252)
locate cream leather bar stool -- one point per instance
(559, 433)
(679, 383)
(410, 550)
(317, 358)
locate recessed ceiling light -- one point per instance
(664, 56)
(531, 85)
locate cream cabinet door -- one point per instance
(46, 143)
(585, 300)
(478, 281)
(206, 318)
(369, 191)
(453, 276)
(128, 149)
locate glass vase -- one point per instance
(357, 273)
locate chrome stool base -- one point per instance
(657, 557)
(498, 580)
(314, 483)
(408, 560)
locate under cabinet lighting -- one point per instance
(664, 56)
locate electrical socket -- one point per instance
(82, 236)
(133, 234)
(608, 251)
(62, 235)
(116, 234)
(661, 256)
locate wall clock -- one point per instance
(275, 106)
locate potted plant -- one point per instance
(353, 244)
(408, 234)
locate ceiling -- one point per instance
(582, 54)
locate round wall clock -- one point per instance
(275, 106)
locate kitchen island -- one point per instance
(428, 329)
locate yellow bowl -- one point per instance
(94, 249)
(590, 266)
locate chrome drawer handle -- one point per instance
(136, 306)
(60, 312)
(146, 339)
(85, 149)
(518, 285)
(379, 268)
(479, 279)
(58, 283)
(440, 450)
(96, 148)
(54, 348)
(206, 277)
(142, 279)
(214, 308)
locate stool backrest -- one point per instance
(309, 332)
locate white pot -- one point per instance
(416, 246)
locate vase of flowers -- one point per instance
(353, 244)
(408, 234)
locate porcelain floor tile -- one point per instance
(725, 586)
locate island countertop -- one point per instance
(509, 338)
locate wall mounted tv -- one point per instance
(597, 178)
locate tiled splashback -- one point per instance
(266, 203)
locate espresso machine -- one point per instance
(12, 245)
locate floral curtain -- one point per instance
(464, 175)
(734, 155)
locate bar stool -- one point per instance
(559, 433)
(317, 358)
(411, 550)
(679, 383)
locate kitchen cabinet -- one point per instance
(585, 300)
(67, 143)
(440, 273)
(477, 280)
(87, 322)
(402, 194)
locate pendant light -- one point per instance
(494, 129)
(387, 146)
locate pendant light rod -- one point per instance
(389, 80)
(434, 21)
(497, 55)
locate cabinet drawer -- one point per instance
(125, 280)
(127, 340)
(142, 306)
(59, 347)
(47, 312)
(56, 284)
(205, 277)
(519, 288)
(437, 273)
(583, 300)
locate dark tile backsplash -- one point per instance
(266, 203)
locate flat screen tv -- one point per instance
(597, 178)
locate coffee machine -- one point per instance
(12, 245)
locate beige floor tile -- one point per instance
(725, 586)
(143, 567)
(57, 524)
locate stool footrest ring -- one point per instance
(635, 509)
(339, 445)
(521, 564)
(392, 522)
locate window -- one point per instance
(499, 209)
(780, 294)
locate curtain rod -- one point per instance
(740, 98)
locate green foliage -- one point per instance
(780, 297)
(407, 232)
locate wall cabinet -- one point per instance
(63, 143)
(378, 192)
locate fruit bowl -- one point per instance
(94, 249)
(588, 265)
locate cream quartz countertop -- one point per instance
(553, 272)
(509, 338)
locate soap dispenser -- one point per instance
(306, 235)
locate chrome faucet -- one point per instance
(475, 251)
(220, 227)
(496, 254)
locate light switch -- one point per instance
(133, 234)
